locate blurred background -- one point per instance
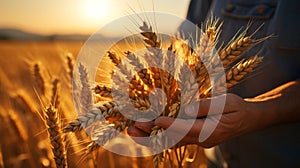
(42, 20)
(39, 43)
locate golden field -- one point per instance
(24, 141)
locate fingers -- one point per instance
(181, 126)
(216, 105)
(141, 128)
(137, 134)
(181, 131)
(144, 125)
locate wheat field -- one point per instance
(41, 128)
(24, 139)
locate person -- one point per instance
(260, 123)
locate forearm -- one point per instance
(280, 105)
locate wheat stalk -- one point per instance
(56, 137)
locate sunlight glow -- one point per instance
(97, 10)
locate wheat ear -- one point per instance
(238, 46)
(85, 92)
(55, 96)
(150, 37)
(139, 82)
(106, 133)
(70, 64)
(39, 79)
(208, 39)
(238, 72)
(243, 68)
(156, 142)
(152, 43)
(103, 91)
(107, 110)
(113, 57)
(56, 137)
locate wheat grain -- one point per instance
(135, 61)
(237, 73)
(152, 43)
(235, 49)
(113, 57)
(56, 137)
(103, 91)
(38, 77)
(85, 92)
(70, 65)
(106, 110)
(208, 39)
(243, 68)
(73, 126)
(150, 37)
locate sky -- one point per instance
(77, 16)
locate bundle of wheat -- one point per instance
(205, 61)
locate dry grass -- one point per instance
(26, 143)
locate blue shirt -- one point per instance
(277, 146)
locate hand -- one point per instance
(237, 118)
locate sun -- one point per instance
(96, 10)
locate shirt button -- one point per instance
(261, 9)
(230, 7)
